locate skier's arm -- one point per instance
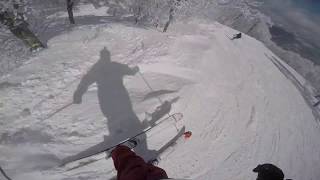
(84, 84)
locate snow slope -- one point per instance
(241, 109)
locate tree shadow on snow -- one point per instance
(114, 102)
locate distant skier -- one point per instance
(317, 103)
(236, 36)
(130, 166)
(268, 172)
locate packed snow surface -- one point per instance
(241, 109)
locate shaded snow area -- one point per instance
(241, 108)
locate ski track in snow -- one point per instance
(241, 109)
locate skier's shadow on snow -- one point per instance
(114, 102)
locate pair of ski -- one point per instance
(162, 135)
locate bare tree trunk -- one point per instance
(138, 14)
(28, 37)
(70, 12)
(19, 28)
(169, 21)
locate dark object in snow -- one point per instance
(19, 27)
(236, 36)
(130, 166)
(70, 12)
(268, 172)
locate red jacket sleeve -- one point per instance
(129, 166)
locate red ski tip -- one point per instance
(187, 134)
